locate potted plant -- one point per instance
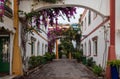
(114, 65)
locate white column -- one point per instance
(11, 51)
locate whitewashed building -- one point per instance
(35, 44)
(6, 38)
(96, 36)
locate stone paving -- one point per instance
(62, 69)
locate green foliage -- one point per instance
(90, 62)
(43, 60)
(97, 70)
(60, 54)
(78, 56)
(49, 56)
(35, 61)
(114, 62)
(53, 55)
(67, 45)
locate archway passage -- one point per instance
(102, 8)
(99, 6)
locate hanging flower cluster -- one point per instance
(52, 35)
(1, 8)
(52, 15)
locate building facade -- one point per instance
(30, 44)
(96, 36)
(6, 38)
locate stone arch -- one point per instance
(99, 6)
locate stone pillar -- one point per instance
(111, 52)
(17, 59)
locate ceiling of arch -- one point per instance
(99, 6)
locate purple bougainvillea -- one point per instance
(50, 16)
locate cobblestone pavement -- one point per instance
(62, 69)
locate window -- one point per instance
(85, 24)
(38, 47)
(85, 49)
(89, 48)
(95, 40)
(89, 17)
(46, 48)
(42, 48)
(33, 45)
(4, 49)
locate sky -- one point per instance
(72, 20)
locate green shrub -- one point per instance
(49, 56)
(90, 62)
(33, 62)
(60, 54)
(53, 55)
(78, 56)
(43, 60)
(97, 70)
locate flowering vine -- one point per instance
(51, 14)
(52, 35)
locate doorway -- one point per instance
(4, 55)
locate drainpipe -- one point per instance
(111, 52)
(17, 59)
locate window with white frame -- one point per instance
(89, 17)
(85, 49)
(95, 46)
(42, 48)
(46, 48)
(89, 48)
(38, 48)
(33, 45)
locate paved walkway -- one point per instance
(62, 69)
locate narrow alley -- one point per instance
(59, 39)
(62, 69)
